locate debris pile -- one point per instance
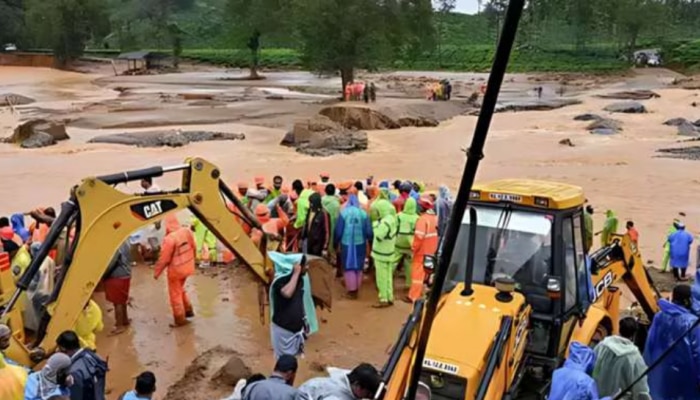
(37, 133)
(212, 375)
(319, 136)
(169, 138)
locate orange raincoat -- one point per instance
(425, 242)
(178, 256)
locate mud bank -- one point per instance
(172, 138)
(413, 113)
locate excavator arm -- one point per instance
(621, 261)
(104, 218)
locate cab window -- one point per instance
(570, 271)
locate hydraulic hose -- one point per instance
(474, 156)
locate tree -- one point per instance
(443, 8)
(341, 35)
(11, 21)
(64, 25)
(251, 19)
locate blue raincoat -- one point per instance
(678, 375)
(18, 227)
(573, 380)
(680, 241)
(284, 265)
(352, 231)
(695, 293)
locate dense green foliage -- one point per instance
(332, 35)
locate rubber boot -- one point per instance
(189, 313)
(179, 321)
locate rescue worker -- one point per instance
(117, 283)
(404, 240)
(52, 380)
(679, 251)
(383, 247)
(178, 257)
(280, 384)
(372, 92)
(425, 242)
(588, 226)
(619, 363)
(18, 227)
(144, 388)
(5, 340)
(88, 324)
(260, 187)
(276, 190)
(573, 380)
(667, 246)
(316, 232)
(302, 202)
(205, 241)
(271, 226)
(632, 232)
(609, 227)
(331, 205)
(87, 370)
(243, 193)
(443, 208)
(353, 232)
(404, 193)
(360, 383)
(677, 376)
(292, 317)
(13, 378)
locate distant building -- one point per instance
(143, 59)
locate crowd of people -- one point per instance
(356, 226)
(441, 90)
(360, 91)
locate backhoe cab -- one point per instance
(528, 294)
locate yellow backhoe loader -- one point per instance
(102, 218)
(518, 290)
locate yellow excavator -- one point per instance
(102, 218)
(512, 283)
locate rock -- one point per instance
(319, 136)
(567, 142)
(38, 140)
(587, 117)
(631, 95)
(165, 138)
(688, 129)
(629, 107)
(603, 131)
(676, 122)
(605, 124)
(275, 97)
(233, 371)
(697, 123)
(36, 130)
(536, 105)
(13, 99)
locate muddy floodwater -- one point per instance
(623, 172)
